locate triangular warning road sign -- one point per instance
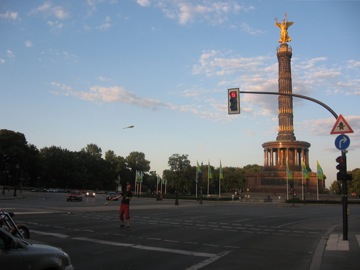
(341, 126)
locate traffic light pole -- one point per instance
(345, 201)
(343, 153)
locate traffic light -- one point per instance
(341, 167)
(342, 174)
(233, 101)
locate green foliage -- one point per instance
(354, 185)
(335, 188)
(54, 166)
(136, 162)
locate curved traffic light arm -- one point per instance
(295, 95)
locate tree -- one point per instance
(136, 162)
(93, 150)
(60, 168)
(354, 185)
(178, 162)
(335, 188)
(118, 168)
(177, 176)
(14, 153)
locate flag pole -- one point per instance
(208, 183)
(220, 178)
(302, 183)
(219, 187)
(320, 176)
(196, 180)
(287, 179)
(317, 189)
(287, 186)
(157, 184)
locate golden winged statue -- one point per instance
(284, 25)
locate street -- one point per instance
(214, 235)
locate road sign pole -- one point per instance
(345, 202)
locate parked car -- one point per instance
(74, 195)
(111, 195)
(20, 254)
(90, 193)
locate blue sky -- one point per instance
(78, 72)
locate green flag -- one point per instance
(289, 175)
(304, 170)
(198, 170)
(221, 176)
(320, 172)
(209, 171)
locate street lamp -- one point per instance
(177, 191)
(201, 184)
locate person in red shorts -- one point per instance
(124, 207)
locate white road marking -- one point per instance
(177, 251)
(208, 261)
(59, 235)
(111, 243)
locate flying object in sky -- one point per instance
(128, 127)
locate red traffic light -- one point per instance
(340, 159)
(233, 94)
(233, 101)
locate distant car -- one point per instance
(20, 254)
(90, 193)
(111, 195)
(74, 195)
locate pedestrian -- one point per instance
(124, 206)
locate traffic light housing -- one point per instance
(233, 101)
(342, 174)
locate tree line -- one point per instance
(23, 165)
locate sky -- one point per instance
(74, 73)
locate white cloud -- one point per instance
(9, 15)
(55, 25)
(101, 94)
(10, 54)
(103, 79)
(353, 64)
(106, 25)
(28, 43)
(216, 63)
(143, 3)
(49, 10)
(213, 12)
(250, 30)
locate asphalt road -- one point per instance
(214, 235)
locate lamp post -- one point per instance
(201, 184)
(177, 190)
(16, 179)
